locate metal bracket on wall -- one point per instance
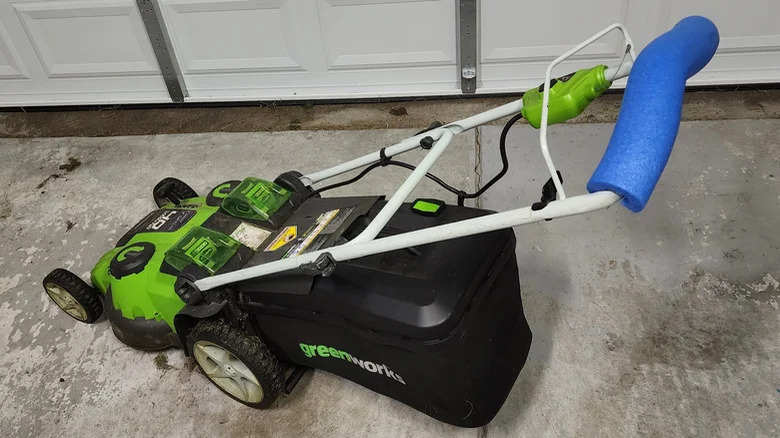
(467, 33)
(163, 49)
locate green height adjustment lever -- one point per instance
(569, 95)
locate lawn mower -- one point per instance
(261, 280)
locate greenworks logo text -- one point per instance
(325, 351)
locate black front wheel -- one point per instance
(172, 191)
(238, 363)
(73, 295)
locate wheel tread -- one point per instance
(182, 190)
(86, 295)
(249, 349)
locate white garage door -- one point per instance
(517, 42)
(98, 51)
(68, 52)
(285, 49)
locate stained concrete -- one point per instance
(413, 114)
(662, 323)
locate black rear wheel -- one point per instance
(74, 296)
(238, 363)
(292, 181)
(172, 191)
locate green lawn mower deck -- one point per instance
(216, 233)
(373, 320)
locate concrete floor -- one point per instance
(663, 323)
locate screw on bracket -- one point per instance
(324, 265)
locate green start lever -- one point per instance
(569, 95)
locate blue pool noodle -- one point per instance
(650, 114)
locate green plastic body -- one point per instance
(255, 199)
(569, 96)
(206, 248)
(150, 293)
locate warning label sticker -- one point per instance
(250, 235)
(308, 237)
(287, 235)
(338, 221)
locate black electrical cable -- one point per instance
(430, 176)
(373, 166)
(504, 161)
(462, 195)
(346, 182)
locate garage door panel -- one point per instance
(542, 31)
(292, 86)
(387, 33)
(744, 25)
(11, 66)
(234, 35)
(737, 22)
(316, 48)
(87, 38)
(749, 38)
(519, 39)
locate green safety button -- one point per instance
(428, 207)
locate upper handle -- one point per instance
(650, 113)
